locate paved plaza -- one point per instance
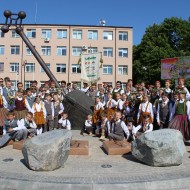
(97, 171)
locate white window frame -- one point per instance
(14, 84)
(77, 68)
(31, 33)
(108, 52)
(2, 50)
(46, 50)
(92, 50)
(77, 34)
(107, 67)
(14, 67)
(42, 70)
(123, 36)
(61, 50)
(92, 34)
(108, 35)
(62, 66)
(122, 70)
(76, 51)
(15, 50)
(1, 67)
(27, 84)
(123, 52)
(29, 67)
(61, 33)
(28, 52)
(123, 85)
(14, 34)
(46, 33)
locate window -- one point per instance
(93, 34)
(107, 69)
(14, 84)
(123, 52)
(123, 85)
(28, 84)
(122, 70)
(42, 70)
(1, 67)
(30, 67)
(76, 51)
(46, 33)
(108, 35)
(2, 34)
(14, 34)
(108, 52)
(46, 50)
(92, 49)
(42, 83)
(61, 68)
(15, 50)
(61, 50)
(31, 33)
(123, 36)
(2, 50)
(61, 33)
(76, 68)
(14, 67)
(77, 34)
(28, 52)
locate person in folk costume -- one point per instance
(75, 86)
(127, 109)
(144, 127)
(145, 91)
(181, 115)
(163, 111)
(34, 91)
(181, 84)
(145, 108)
(58, 110)
(93, 93)
(68, 89)
(103, 96)
(155, 92)
(3, 113)
(85, 88)
(119, 128)
(119, 102)
(30, 99)
(9, 96)
(21, 106)
(130, 83)
(63, 87)
(131, 129)
(50, 113)
(64, 122)
(52, 87)
(1, 86)
(174, 101)
(39, 112)
(110, 106)
(117, 89)
(60, 94)
(128, 92)
(168, 90)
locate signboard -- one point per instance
(175, 67)
(90, 65)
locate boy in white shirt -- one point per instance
(65, 123)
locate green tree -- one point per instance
(169, 39)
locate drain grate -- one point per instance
(106, 166)
(8, 160)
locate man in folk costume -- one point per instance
(53, 87)
(181, 115)
(68, 89)
(85, 88)
(110, 106)
(174, 101)
(168, 90)
(1, 86)
(117, 89)
(163, 112)
(130, 83)
(63, 87)
(155, 92)
(93, 92)
(181, 84)
(145, 108)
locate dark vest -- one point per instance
(56, 109)
(9, 125)
(118, 130)
(48, 107)
(20, 105)
(164, 112)
(141, 129)
(30, 101)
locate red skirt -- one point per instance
(3, 116)
(39, 118)
(180, 122)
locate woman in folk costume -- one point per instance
(39, 112)
(3, 113)
(181, 115)
(145, 108)
(21, 106)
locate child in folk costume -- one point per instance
(163, 112)
(3, 113)
(145, 108)
(65, 123)
(181, 115)
(131, 129)
(145, 127)
(39, 112)
(30, 99)
(60, 94)
(119, 102)
(168, 90)
(88, 127)
(21, 106)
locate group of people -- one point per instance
(118, 113)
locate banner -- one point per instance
(90, 64)
(175, 67)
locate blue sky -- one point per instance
(138, 14)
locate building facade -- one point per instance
(60, 47)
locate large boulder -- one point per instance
(160, 148)
(48, 151)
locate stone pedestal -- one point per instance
(117, 147)
(18, 145)
(79, 147)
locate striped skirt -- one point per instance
(180, 122)
(3, 116)
(39, 118)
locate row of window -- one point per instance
(62, 51)
(76, 34)
(61, 68)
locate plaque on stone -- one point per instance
(48, 151)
